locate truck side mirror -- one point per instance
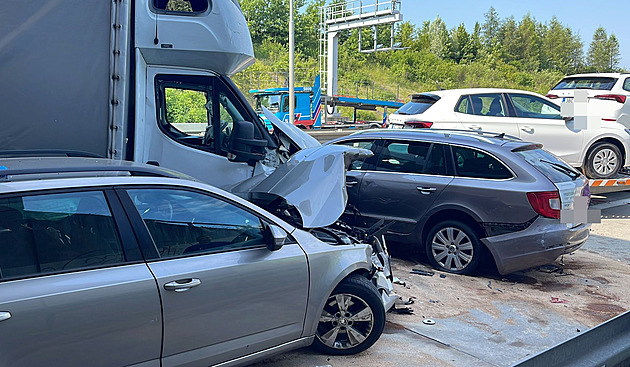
(243, 144)
(274, 237)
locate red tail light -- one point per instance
(552, 96)
(419, 124)
(545, 203)
(613, 97)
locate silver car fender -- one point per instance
(328, 266)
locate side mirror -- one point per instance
(243, 143)
(567, 118)
(275, 237)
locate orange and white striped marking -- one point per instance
(610, 182)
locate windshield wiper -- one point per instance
(401, 113)
(567, 171)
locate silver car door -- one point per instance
(224, 294)
(74, 290)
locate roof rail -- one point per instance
(47, 153)
(6, 174)
(471, 132)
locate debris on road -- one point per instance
(399, 282)
(442, 275)
(401, 306)
(422, 272)
(550, 268)
(428, 322)
(558, 300)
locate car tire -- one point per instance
(603, 160)
(454, 247)
(357, 327)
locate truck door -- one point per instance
(187, 123)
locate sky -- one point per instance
(581, 16)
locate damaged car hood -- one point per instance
(297, 136)
(313, 181)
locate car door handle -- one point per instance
(426, 190)
(474, 127)
(351, 183)
(4, 315)
(182, 285)
(528, 129)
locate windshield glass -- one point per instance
(597, 83)
(415, 107)
(270, 101)
(549, 165)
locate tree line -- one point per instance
(496, 52)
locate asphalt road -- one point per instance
(493, 320)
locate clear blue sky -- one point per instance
(581, 16)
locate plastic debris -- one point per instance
(399, 282)
(550, 268)
(558, 300)
(442, 275)
(432, 301)
(422, 272)
(490, 284)
(428, 322)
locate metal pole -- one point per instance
(291, 66)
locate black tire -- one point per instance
(603, 160)
(361, 325)
(454, 247)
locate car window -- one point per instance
(586, 82)
(436, 162)
(549, 165)
(626, 84)
(52, 233)
(477, 164)
(490, 104)
(403, 156)
(419, 104)
(534, 107)
(364, 144)
(184, 223)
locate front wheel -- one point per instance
(352, 320)
(453, 246)
(603, 160)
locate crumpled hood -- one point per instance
(313, 181)
(300, 138)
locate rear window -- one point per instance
(596, 83)
(417, 105)
(549, 165)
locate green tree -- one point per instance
(269, 19)
(440, 40)
(612, 50)
(598, 57)
(490, 28)
(528, 43)
(462, 47)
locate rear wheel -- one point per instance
(603, 160)
(352, 320)
(454, 247)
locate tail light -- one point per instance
(612, 97)
(545, 203)
(419, 124)
(552, 96)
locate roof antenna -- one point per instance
(438, 85)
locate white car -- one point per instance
(609, 92)
(529, 116)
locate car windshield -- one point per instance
(596, 83)
(270, 101)
(549, 165)
(416, 106)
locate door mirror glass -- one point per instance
(275, 237)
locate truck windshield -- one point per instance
(270, 101)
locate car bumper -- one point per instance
(539, 244)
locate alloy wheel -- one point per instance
(605, 161)
(346, 321)
(452, 249)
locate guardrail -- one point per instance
(606, 345)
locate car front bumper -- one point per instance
(541, 243)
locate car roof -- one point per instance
(479, 139)
(445, 92)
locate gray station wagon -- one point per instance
(464, 196)
(109, 263)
